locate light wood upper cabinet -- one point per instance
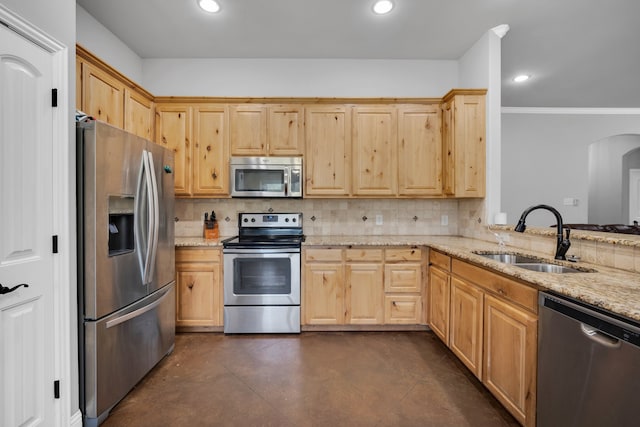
(211, 151)
(464, 129)
(328, 151)
(375, 153)
(248, 129)
(173, 131)
(199, 301)
(510, 347)
(138, 114)
(419, 150)
(285, 130)
(102, 96)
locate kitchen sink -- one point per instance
(543, 267)
(508, 258)
(531, 263)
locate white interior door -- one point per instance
(634, 195)
(26, 228)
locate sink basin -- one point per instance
(509, 258)
(548, 268)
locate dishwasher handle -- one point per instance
(600, 337)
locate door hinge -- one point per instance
(54, 244)
(54, 97)
(56, 389)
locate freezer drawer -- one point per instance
(121, 348)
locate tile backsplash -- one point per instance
(339, 217)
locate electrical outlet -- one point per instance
(444, 219)
(379, 219)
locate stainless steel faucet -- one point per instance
(563, 243)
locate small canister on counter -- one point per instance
(210, 226)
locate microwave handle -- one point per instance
(287, 182)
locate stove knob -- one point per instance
(287, 220)
(253, 220)
(294, 220)
(246, 220)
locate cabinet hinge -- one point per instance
(54, 244)
(54, 97)
(56, 389)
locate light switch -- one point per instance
(444, 220)
(379, 219)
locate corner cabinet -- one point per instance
(464, 141)
(489, 321)
(199, 304)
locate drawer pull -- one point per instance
(190, 285)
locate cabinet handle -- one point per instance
(214, 175)
(501, 291)
(190, 285)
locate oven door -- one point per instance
(262, 277)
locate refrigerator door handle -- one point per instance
(138, 312)
(155, 216)
(149, 232)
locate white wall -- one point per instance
(480, 67)
(97, 39)
(545, 157)
(299, 77)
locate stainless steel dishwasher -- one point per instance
(588, 365)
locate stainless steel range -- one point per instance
(262, 274)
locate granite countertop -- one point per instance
(608, 288)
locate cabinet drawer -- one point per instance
(402, 309)
(440, 260)
(323, 255)
(408, 254)
(364, 254)
(403, 278)
(521, 294)
(197, 255)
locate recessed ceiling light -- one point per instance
(382, 6)
(521, 78)
(211, 6)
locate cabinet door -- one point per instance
(102, 96)
(78, 83)
(248, 130)
(210, 151)
(465, 331)
(285, 130)
(510, 351)
(327, 151)
(173, 131)
(375, 154)
(419, 150)
(439, 303)
(323, 294)
(198, 297)
(138, 114)
(465, 147)
(364, 294)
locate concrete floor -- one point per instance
(313, 379)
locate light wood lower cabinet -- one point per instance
(490, 322)
(362, 286)
(510, 347)
(199, 303)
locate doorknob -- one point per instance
(6, 290)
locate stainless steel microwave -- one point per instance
(266, 176)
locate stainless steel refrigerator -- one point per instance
(126, 258)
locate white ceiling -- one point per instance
(581, 53)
